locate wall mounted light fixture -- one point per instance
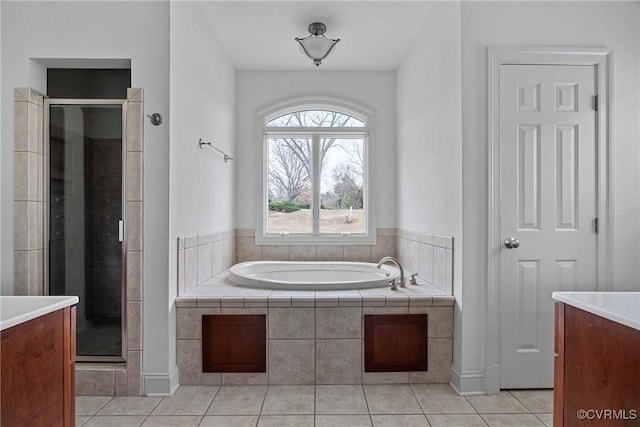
(316, 45)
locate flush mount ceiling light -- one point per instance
(316, 45)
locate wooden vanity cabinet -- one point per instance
(597, 371)
(37, 378)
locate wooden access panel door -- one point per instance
(395, 342)
(234, 343)
(38, 371)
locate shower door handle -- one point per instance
(121, 230)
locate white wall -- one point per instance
(2, 215)
(430, 137)
(135, 30)
(259, 89)
(602, 24)
(202, 106)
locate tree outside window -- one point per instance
(316, 174)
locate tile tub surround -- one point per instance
(247, 250)
(429, 255)
(202, 256)
(323, 329)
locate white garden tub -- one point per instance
(312, 275)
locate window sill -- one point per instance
(316, 240)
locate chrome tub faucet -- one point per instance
(394, 261)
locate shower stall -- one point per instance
(84, 254)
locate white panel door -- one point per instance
(548, 203)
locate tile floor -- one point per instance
(396, 405)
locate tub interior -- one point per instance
(312, 275)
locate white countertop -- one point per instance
(18, 309)
(620, 307)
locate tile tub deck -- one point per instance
(313, 337)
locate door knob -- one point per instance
(511, 243)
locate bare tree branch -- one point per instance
(288, 174)
(290, 164)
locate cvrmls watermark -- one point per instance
(607, 414)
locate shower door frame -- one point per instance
(47, 211)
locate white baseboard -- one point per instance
(468, 383)
(160, 384)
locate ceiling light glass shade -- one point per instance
(316, 45)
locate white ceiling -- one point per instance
(259, 35)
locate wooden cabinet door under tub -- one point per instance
(234, 343)
(395, 342)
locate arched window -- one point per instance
(316, 174)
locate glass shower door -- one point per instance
(85, 250)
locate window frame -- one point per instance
(368, 236)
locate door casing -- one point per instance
(497, 56)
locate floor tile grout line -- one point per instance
(99, 409)
(214, 398)
(538, 418)
(413, 393)
(151, 412)
(201, 420)
(471, 404)
(366, 402)
(519, 401)
(103, 406)
(522, 402)
(484, 420)
(264, 399)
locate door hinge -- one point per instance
(596, 100)
(596, 225)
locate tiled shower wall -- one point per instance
(103, 198)
(134, 233)
(202, 256)
(28, 192)
(29, 239)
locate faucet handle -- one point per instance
(393, 285)
(413, 280)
